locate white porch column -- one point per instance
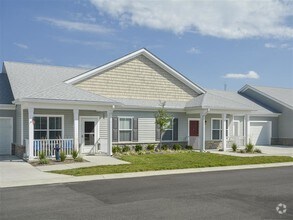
(30, 133)
(109, 122)
(224, 139)
(246, 129)
(76, 139)
(202, 132)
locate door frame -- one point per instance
(12, 131)
(82, 119)
(188, 129)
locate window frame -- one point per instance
(172, 130)
(48, 125)
(220, 129)
(131, 130)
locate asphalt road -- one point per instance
(242, 194)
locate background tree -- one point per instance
(163, 120)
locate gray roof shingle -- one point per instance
(6, 96)
(35, 81)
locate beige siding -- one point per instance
(138, 78)
(103, 128)
(146, 129)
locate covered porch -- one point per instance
(85, 129)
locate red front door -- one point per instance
(193, 128)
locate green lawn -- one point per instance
(170, 161)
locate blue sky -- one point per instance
(211, 42)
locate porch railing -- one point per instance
(48, 146)
(239, 140)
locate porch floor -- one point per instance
(95, 160)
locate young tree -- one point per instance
(163, 120)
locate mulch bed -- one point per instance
(54, 162)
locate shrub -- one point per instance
(249, 148)
(234, 147)
(74, 154)
(138, 148)
(256, 150)
(188, 147)
(42, 155)
(242, 151)
(126, 148)
(177, 147)
(116, 149)
(164, 147)
(62, 156)
(78, 159)
(43, 161)
(151, 147)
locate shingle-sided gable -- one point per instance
(138, 78)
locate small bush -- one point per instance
(256, 150)
(74, 154)
(164, 147)
(42, 155)
(78, 159)
(43, 161)
(188, 147)
(151, 147)
(234, 147)
(116, 149)
(138, 148)
(242, 151)
(249, 148)
(177, 147)
(62, 156)
(126, 149)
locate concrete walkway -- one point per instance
(92, 161)
(274, 150)
(15, 172)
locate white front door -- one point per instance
(89, 135)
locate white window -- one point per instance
(217, 129)
(47, 127)
(125, 129)
(168, 134)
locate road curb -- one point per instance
(73, 179)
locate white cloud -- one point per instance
(193, 50)
(95, 44)
(76, 26)
(224, 19)
(23, 46)
(249, 75)
(279, 46)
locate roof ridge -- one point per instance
(45, 65)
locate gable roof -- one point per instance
(283, 96)
(34, 81)
(226, 100)
(130, 56)
(6, 96)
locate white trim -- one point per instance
(48, 129)
(188, 128)
(220, 119)
(7, 107)
(21, 126)
(148, 55)
(270, 129)
(119, 117)
(83, 119)
(12, 134)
